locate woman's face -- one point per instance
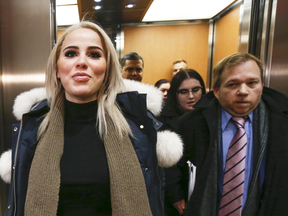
(189, 92)
(81, 65)
(164, 89)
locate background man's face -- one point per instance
(179, 66)
(241, 89)
(133, 70)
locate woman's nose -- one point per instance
(190, 94)
(82, 62)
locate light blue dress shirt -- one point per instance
(228, 131)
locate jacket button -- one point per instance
(15, 129)
(9, 207)
(13, 167)
(141, 126)
(146, 169)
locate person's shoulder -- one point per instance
(275, 100)
(152, 95)
(29, 101)
(192, 116)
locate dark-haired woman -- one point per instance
(163, 85)
(187, 87)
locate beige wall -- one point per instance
(227, 35)
(161, 45)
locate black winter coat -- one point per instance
(199, 132)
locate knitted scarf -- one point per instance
(127, 185)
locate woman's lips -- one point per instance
(81, 77)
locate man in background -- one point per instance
(132, 66)
(178, 65)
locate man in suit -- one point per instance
(210, 133)
(132, 66)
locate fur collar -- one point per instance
(26, 100)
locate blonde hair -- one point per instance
(179, 61)
(111, 86)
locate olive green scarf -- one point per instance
(128, 190)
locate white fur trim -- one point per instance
(5, 166)
(169, 148)
(154, 95)
(25, 100)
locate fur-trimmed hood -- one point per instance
(26, 100)
(169, 145)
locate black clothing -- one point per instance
(85, 185)
(176, 177)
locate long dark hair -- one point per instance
(172, 100)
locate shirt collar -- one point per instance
(227, 116)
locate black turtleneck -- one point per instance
(85, 185)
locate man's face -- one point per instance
(179, 66)
(133, 70)
(241, 89)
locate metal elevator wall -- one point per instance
(277, 61)
(25, 44)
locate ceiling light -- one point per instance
(130, 6)
(67, 15)
(97, 0)
(66, 2)
(97, 7)
(184, 9)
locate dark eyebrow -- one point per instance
(95, 47)
(89, 48)
(70, 47)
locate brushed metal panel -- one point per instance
(25, 44)
(279, 63)
(245, 17)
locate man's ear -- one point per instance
(216, 92)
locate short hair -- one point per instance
(111, 86)
(131, 56)
(179, 61)
(230, 62)
(172, 100)
(160, 82)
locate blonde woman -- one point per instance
(89, 144)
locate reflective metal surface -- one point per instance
(211, 39)
(245, 17)
(279, 47)
(25, 46)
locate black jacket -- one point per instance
(176, 177)
(199, 130)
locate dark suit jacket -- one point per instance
(199, 129)
(176, 177)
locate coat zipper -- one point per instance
(14, 168)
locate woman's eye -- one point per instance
(70, 54)
(196, 89)
(94, 55)
(183, 91)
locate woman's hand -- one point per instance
(180, 205)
